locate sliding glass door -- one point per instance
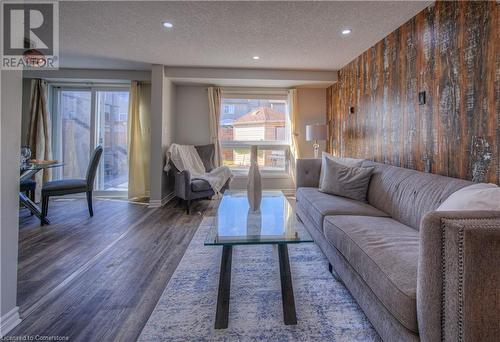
(112, 117)
(84, 118)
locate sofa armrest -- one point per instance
(307, 172)
(458, 285)
(183, 184)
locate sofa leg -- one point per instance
(334, 273)
(188, 204)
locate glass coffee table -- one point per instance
(236, 224)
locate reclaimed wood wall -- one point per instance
(451, 51)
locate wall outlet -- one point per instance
(421, 98)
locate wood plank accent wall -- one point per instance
(451, 51)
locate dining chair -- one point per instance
(72, 186)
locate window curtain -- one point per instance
(39, 130)
(139, 140)
(214, 103)
(293, 117)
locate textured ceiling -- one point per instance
(286, 35)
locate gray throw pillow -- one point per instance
(340, 160)
(345, 181)
(207, 154)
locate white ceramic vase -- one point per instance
(254, 222)
(254, 185)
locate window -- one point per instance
(255, 120)
(84, 117)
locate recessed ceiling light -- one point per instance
(256, 57)
(168, 24)
(346, 31)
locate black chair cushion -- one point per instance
(27, 184)
(65, 184)
(198, 185)
(207, 154)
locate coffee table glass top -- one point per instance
(237, 224)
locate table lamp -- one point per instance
(314, 133)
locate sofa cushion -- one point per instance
(351, 162)
(65, 184)
(384, 253)
(317, 205)
(198, 185)
(407, 195)
(346, 181)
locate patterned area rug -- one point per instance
(186, 310)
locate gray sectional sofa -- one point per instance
(418, 274)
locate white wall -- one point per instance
(192, 115)
(235, 77)
(312, 109)
(162, 133)
(168, 132)
(10, 127)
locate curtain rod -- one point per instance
(88, 84)
(254, 89)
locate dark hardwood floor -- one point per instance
(98, 279)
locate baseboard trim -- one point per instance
(162, 202)
(9, 321)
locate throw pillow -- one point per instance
(345, 181)
(207, 154)
(343, 161)
(473, 197)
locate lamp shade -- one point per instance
(315, 132)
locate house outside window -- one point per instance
(255, 119)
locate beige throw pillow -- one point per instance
(345, 181)
(480, 196)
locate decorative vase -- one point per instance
(254, 185)
(254, 222)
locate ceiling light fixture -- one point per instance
(256, 57)
(168, 24)
(346, 31)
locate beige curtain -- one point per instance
(214, 103)
(39, 129)
(139, 140)
(293, 117)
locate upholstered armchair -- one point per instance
(188, 189)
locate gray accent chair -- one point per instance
(72, 186)
(417, 273)
(189, 189)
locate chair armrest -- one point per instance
(458, 285)
(307, 172)
(183, 184)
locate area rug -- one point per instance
(186, 310)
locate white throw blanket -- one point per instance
(185, 157)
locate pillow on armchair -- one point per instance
(207, 154)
